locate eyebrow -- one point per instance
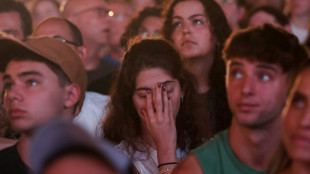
(144, 88)
(260, 66)
(299, 95)
(235, 64)
(268, 67)
(23, 74)
(191, 17)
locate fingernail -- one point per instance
(148, 91)
(159, 84)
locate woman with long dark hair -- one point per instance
(155, 111)
(198, 29)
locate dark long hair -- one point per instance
(122, 122)
(220, 30)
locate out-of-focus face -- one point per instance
(300, 7)
(260, 18)
(44, 9)
(232, 11)
(256, 92)
(275, 3)
(147, 79)
(140, 4)
(296, 120)
(150, 27)
(122, 14)
(191, 30)
(32, 95)
(10, 23)
(91, 17)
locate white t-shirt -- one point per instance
(300, 33)
(148, 164)
(92, 113)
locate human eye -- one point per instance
(263, 76)
(176, 24)
(141, 94)
(236, 74)
(103, 11)
(197, 22)
(298, 102)
(200, 20)
(170, 90)
(31, 82)
(99, 11)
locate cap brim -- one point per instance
(11, 48)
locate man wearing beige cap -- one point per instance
(43, 78)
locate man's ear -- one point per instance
(83, 53)
(72, 95)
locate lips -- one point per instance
(247, 106)
(16, 113)
(188, 42)
(301, 140)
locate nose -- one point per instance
(186, 29)
(248, 86)
(12, 94)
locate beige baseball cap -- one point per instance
(51, 49)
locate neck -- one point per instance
(234, 26)
(254, 147)
(94, 55)
(116, 52)
(23, 148)
(299, 167)
(301, 21)
(200, 67)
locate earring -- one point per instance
(182, 98)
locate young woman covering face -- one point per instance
(154, 110)
(198, 29)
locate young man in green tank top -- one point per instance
(261, 63)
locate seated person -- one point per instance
(260, 63)
(155, 112)
(43, 78)
(293, 155)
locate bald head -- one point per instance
(91, 17)
(62, 28)
(52, 27)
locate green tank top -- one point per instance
(216, 157)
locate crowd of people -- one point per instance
(154, 86)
